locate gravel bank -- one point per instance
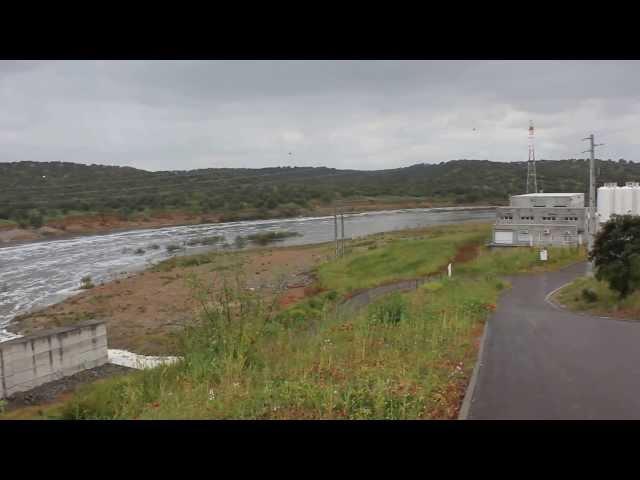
(51, 391)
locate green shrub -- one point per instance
(204, 240)
(240, 242)
(391, 310)
(268, 237)
(36, 220)
(172, 247)
(589, 295)
(86, 283)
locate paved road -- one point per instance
(540, 362)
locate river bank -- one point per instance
(145, 311)
(44, 273)
(86, 225)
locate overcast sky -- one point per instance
(163, 115)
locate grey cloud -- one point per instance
(365, 114)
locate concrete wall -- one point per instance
(541, 216)
(33, 360)
(540, 226)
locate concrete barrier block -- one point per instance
(67, 371)
(13, 350)
(97, 362)
(40, 345)
(44, 358)
(20, 365)
(22, 387)
(42, 370)
(84, 345)
(18, 379)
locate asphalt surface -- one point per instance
(542, 362)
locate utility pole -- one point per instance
(342, 222)
(335, 228)
(532, 179)
(592, 223)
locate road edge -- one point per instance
(468, 396)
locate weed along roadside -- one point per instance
(400, 356)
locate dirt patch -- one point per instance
(61, 390)
(145, 312)
(17, 235)
(466, 253)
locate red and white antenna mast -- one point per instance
(532, 181)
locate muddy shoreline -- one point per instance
(52, 392)
(108, 231)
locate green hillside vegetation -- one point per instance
(406, 356)
(33, 191)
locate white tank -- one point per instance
(626, 204)
(635, 186)
(604, 203)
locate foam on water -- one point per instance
(133, 360)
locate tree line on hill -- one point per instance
(33, 191)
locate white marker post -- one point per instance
(543, 255)
(449, 270)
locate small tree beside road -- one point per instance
(616, 254)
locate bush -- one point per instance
(153, 246)
(86, 283)
(589, 295)
(36, 220)
(616, 254)
(392, 310)
(172, 247)
(268, 237)
(204, 240)
(139, 251)
(240, 242)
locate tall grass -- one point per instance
(600, 300)
(406, 356)
(241, 361)
(513, 260)
(417, 254)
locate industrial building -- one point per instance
(541, 219)
(615, 200)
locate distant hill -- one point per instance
(49, 188)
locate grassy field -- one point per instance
(591, 296)
(384, 258)
(407, 356)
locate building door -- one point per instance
(504, 237)
(524, 237)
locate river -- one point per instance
(43, 273)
